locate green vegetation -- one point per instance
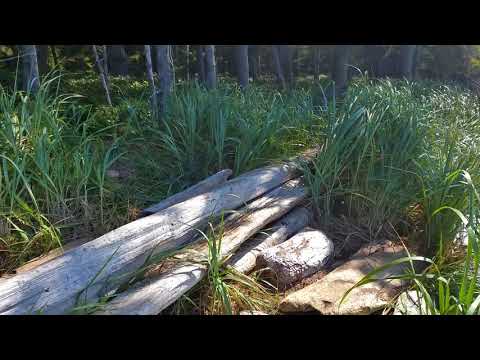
(396, 158)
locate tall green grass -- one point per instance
(51, 166)
(391, 147)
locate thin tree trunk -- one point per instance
(316, 65)
(105, 60)
(54, 55)
(42, 54)
(102, 75)
(118, 60)
(200, 58)
(278, 66)
(241, 60)
(210, 67)
(31, 78)
(407, 61)
(187, 66)
(253, 61)
(286, 61)
(165, 75)
(151, 80)
(340, 69)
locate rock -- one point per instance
(325, 294)
(252, 312)
(410, 303)
(297, 258)
(113, 173)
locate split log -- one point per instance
(151, 296)
(245, 258)
(87, 272)
(202, 187)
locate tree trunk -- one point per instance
(210, 67)
(103, 77)
(117, 60)
(151, 297)
(316, 62)
(200, 59)
(253, 61)
(31, 78)
(187, 63)
(151, 80)
(241, 62)
(88, 272)
(165, 75)
(340, 69)
(407, 61)
(105, 60)
(54, 55)
(286, 61)
(278, 66)
(42, 53)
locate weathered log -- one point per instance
(87, 272)
(36, 262)
(245, 258)
(202, 187)
(297, 258)
(151, 296)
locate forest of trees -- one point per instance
(286, 64)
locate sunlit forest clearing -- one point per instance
(253, 179)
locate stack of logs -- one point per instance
(265, 225)
(92, 271)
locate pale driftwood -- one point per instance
(32, 264)
(202, 187)
(302, 255)
(152, 296)
(245, 258)
(90, 270)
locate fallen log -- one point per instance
(245, 258)
(302, 255)
(202, 187)
(89, 271)
(151, 296)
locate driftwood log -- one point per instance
(88, 272)
(151, 296)
(245, 258)
(202, 187)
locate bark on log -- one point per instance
(245, 258)
(150, 297)
(55, 286)
(202, 187)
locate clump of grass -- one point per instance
(225, 291)
(391, 155)
(51, 168)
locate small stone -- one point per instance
(297, 258)
(113, 173)
(252, 312)
(410, 303)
